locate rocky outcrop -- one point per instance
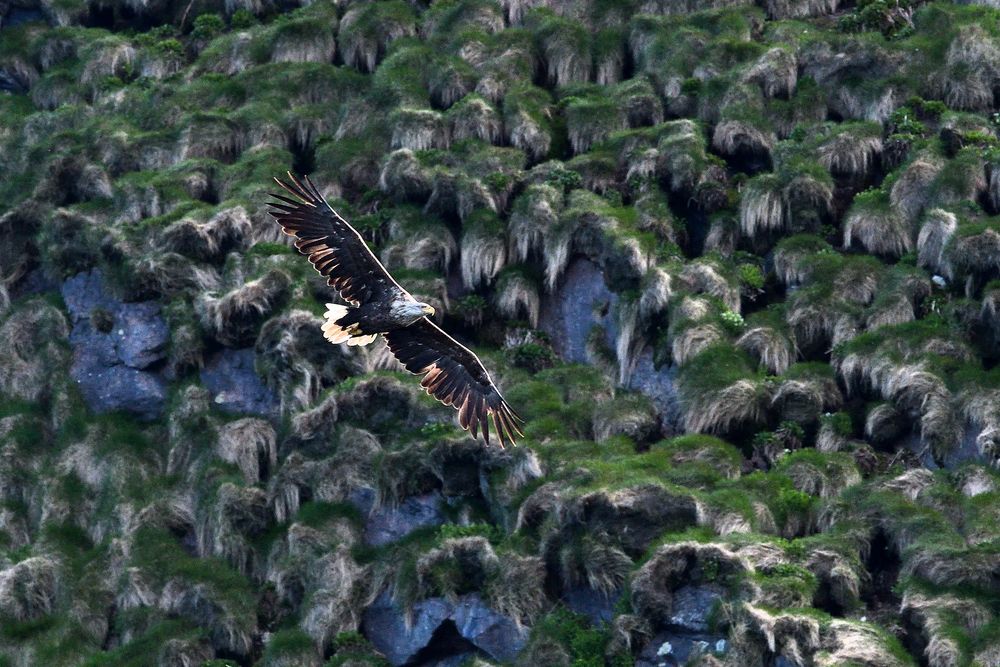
(435, 624)
(385, 524)
(235, 386)
(116, 347)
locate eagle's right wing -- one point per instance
(333, 247)
(454, 375)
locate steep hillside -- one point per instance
(737, 263)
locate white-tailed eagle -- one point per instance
(453, 374)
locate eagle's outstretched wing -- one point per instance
(454, 375)
(333, 247)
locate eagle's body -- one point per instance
(363, 323)
(380, 306)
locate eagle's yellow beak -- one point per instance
(427, 310)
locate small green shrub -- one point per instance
(207, 26)
(751, 277)
(242, 19)
(733, 321)
(533, 357)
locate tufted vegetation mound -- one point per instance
(737, 262)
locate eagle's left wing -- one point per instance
(333, 247)
(454, 375)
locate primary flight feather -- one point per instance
(453, 374)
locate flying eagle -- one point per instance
(453, 374)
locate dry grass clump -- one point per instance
(852, 642)
(806, 395)
(900, 376)
(513, 584)
(367, 30)
(720, 391)
(976, 251)
(776, 72)
(234, 317)
(517, 296)
(630, 415)
(706, 277)
(598, 566)
(483, 249)
(936, 231)
(791, 636)
(842, 577)
(792, 257)
(239, 514)
(317, 422)
(294, 359)
(772, 347)
(227, 230)
(761, 206)
(31, 353)
(418, 129)
(474, 118)
(566, 49)
(590, 120)
(28, 590)
(935, 615)
(911, 191)
(418, 243)
(971, 72)
(854, 151)
(630, 517)
(736, 137)
(534, 213)
(673, 566)
(796, 9)
(251, 444)
(404, 177)
(212, 136)
(877, 226)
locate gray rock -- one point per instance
(387, 524)
(692, 606)
(966, 450)
(109, 366)
(581, 301)
(596, 606)
(117, 387)
(672, 649)
(234, 385)
(140, 333)
(84, 292)
(384, 624)
(494, 633)
(658, 385)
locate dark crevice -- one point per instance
(303, 157)
(883, 565)
(446, 642)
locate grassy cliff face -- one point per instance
(794, 207)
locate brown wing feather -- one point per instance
(334, 248)
(454, 375)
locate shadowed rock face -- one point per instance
(235, 386)
(387, 524)
(114, 346)
(583, 301)
(497, 636)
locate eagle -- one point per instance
(452, 373)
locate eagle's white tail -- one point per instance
(335, 333)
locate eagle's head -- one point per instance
(410, 311)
